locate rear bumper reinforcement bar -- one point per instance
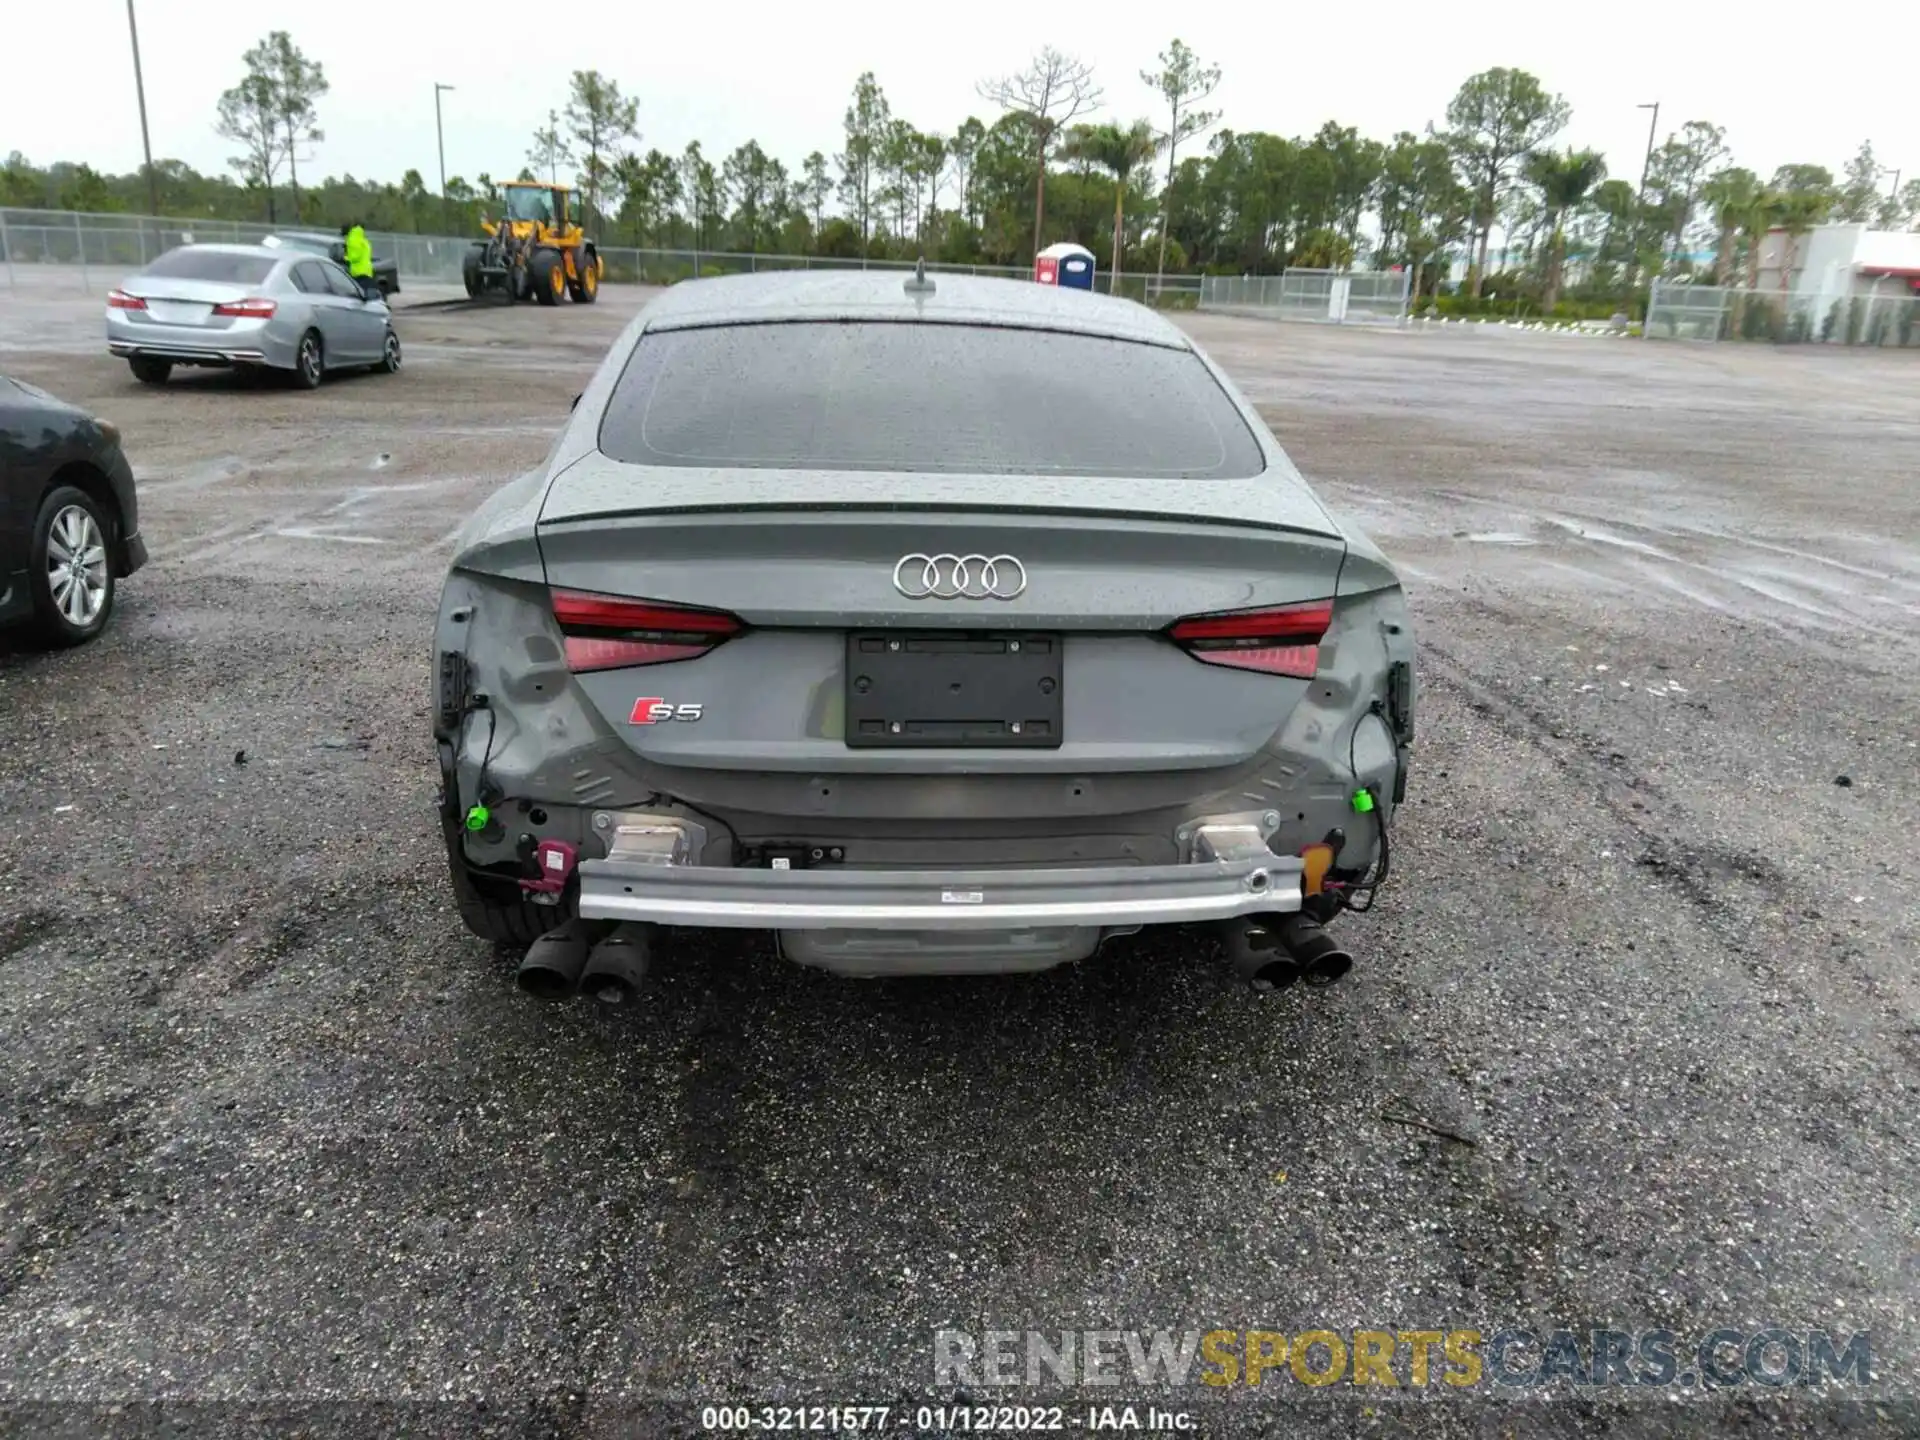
(647, 882)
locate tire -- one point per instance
(549, 277)
(494, 914)
(149, 371)
(71, 576)
(309, 362)
(390, 356)
(470, 270)
(587, 289)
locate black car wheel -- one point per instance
(309, 363)
(390, 355)
(72, 576)
(149, 371)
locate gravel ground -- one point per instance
(281, 1140)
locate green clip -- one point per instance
(478, 817)
(1363, 801)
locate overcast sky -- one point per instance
(781, 74)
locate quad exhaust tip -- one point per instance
(1271, 955)
(605, 961)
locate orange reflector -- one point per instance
(1315, 861)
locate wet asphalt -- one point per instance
(1631, 1040)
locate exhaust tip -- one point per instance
(609, 990)
(551, 969)
(544, 983)
(1275, 974)
(1253, 950)
(617, 966)
(1330, 967)
(1321, 958)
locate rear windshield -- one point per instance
(212, 265)
(939, 398)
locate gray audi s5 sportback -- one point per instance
(940, 625)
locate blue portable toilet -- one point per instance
(1065, 264)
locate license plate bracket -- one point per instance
(954, 689)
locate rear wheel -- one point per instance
(72, 578)
(549, 277)
(309, 362)
(470, 270)
(149, 371)
(586, 289)
(490, 908)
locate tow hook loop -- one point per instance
(554, 860)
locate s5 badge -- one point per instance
(652, 710)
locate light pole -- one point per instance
(140, 89)
(440, 134)
(1646, 165)
(1893, 190)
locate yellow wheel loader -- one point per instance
(536, 249)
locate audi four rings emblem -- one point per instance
(959, 577)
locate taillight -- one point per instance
(604, 632)
(120, 300)
(1280, 640)
(246, 309)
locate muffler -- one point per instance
(617, 965)
(551, 969)
(1272, 952)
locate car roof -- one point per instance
(775, 297)
(263, 252)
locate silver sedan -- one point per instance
(247, 306)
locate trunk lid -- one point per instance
(172, 301)
(1106, 574)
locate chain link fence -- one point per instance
(1790, 317)
(665, 267)
(118, 245)
(1332, 296)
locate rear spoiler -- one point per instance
(597, 488)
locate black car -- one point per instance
(69, 522)
(386, 270)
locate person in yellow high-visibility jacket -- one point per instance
(360, 258)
